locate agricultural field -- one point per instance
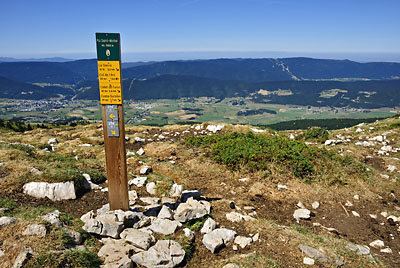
(184, 110)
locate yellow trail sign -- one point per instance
(110, 82)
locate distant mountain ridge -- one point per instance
(297, 81)
(245, 70)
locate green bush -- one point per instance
(315, 133)
(256, 152)
(69, 259)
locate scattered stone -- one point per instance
(150, 200)
(164, 226)
(232, 205)
(88, 184)
(243, 179)
(22, 257)
(52, 141)
(87, 216)
(195, 194)
(132, 195)
(208, 226)
(384, 176)
(356, 197)
(314, 253)
(384, 214)
(300, 205)
(315, 205)
(355, 214)
(218, 238)
(176, 190)
(302, 213)
(104, 209)
(214, 128)
(231, 265)
(35, 229)
(53, 191)
(107, 224)
(358, 130)
(165, 253)
(130, 154)
(360, 250)
(373, 216)
(282, 187)
(192, 209)
(140, 151)
(255, 130)
(145, 170)
(74, 236)
(139, 139)
(235, 247)
(391, 168)
(243, 241)
(115, 253)
(189, 234)
(377, 244)
(151, 188)
(138, 238)
(53, 218)
(36, 171)
(237, 217)
(138, 181)
(387, 250)
(165, 213)
(7, 221)
(348, 204)
(256, 237)
(1, 253)
(308, 261)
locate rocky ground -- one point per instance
(188, 210)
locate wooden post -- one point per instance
(110, 85)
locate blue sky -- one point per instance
(163, 29)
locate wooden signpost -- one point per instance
(110, 84)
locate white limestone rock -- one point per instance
(195, 194)
(192, 209)
(308, 261)
(231, 265)
(53, 218)
(218, 238)
(139, 181)
(35, 229)
(176, 190)
(377, 244)
(22, 257)
(140, 151)
(145, 170)
(165, 253)
(302, 213)
(189, 234)
(243, 241)
(166, 213)
(237, 217)
(315, 205)
(7, 221)
(138, 238)
(214, 128)
(52, 141)
(151, 188)
(164, 226)
(115, 253)
(132, 195)
(53, 191)
(208, 226)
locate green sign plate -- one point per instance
(108, 46)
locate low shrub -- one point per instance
(256, 152)
(315, 133)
